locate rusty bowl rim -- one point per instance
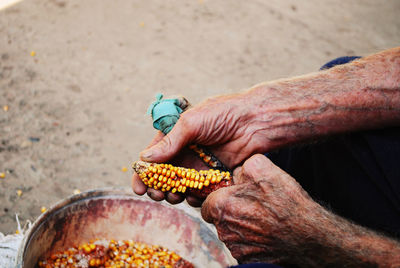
(103, 192)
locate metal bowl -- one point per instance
(118, 214)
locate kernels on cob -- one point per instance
(166, 177)
(208, 157)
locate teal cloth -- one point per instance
(165, 113)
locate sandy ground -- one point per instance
(77, 107)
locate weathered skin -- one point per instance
(266, 215)
(363, 94)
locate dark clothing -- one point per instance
(356, 175)
(339, 61)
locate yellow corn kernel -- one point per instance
(196, 184)
(86, 248)
(77, 191)
(191, 184)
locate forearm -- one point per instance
(364, 94)
(332, 240)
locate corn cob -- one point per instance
(168, 178)
(208, 157)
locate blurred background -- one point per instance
(77, 76)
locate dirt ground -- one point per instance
(77, 76)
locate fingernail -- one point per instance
(146, 155)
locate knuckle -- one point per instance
(257, 165)
(211, 208)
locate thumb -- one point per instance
(169, 145)
(257, 167)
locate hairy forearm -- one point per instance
(364, 94)
(332, 241)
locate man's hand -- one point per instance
(260, 217)
(267, 217)
(222, 123)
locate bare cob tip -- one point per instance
(140, 166)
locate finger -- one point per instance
(213, 206)
(156, 195)
(258, 167)
(170, 144)
(174, 198)
(156, 139)
(137, 185)
(237, 171)
(238, 176)
(193, 201)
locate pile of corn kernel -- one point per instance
(166, 177)
(101, 253)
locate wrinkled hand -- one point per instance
(220, 123)
(264, 216)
